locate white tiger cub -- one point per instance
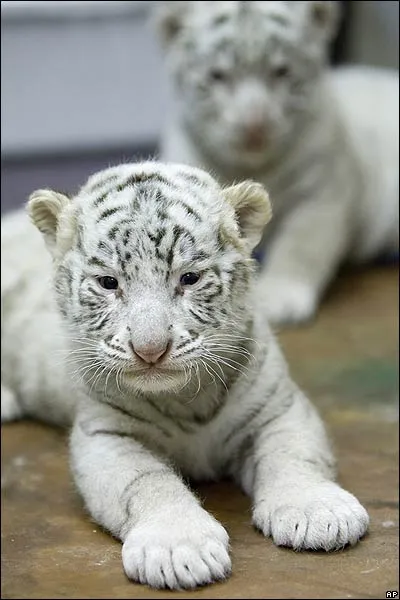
(253, 98)
(152, 276)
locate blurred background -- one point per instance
(84, 87)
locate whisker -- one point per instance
(106, 382)
(230, 337)
(217, 356)
(231, 350)
(244, 374)
(215, 372)
(97, 379)
(206, 369)
(119, 373)
(78, 359)
(83, 352)
(226, 359)
(197, 369)
(217, 360)
(187, 378)
(81, 371)
(94, 379)
(79, 340)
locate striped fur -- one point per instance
(253, 97)
(220, 402)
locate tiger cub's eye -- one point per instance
(189, 278)
(108, 283)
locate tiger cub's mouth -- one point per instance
(152, 369)
(156, 379)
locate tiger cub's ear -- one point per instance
(51, 212)
(324, 15)
(252, 207)
(169, 18)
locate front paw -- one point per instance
(286, 300)
(322, 516)
(184, 553)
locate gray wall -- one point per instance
(374, 33)
(79, 75)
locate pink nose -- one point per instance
(254, 134)
(152, 353)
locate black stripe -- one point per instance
(137, 418)
(115, 347)
(102, 182)
(281, 19)
(111, 234)
(126, 495)
(183, 344)
(109, 212)
(162, 215)
(250, 417)
(99, 324)
(247, 418)
(198, 318)
(126, 237)
(216, 294)
(203, 419)
(104, 247)
(177, 233)
(109, 432)
(100, 199)
(141, 178)
(207, 286)
(191, 211)
(88, 304)
(185, 428)
(200, 255)
(157, 238)
(173, 419)
(97, 262)
(191, 178)
(115, 228)
(95, 291)
(193, 334)
(220, 19)
(121, 260)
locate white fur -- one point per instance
(188, 552)
(330, 152)
(222, 404)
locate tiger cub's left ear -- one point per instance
(252, 207)
(324, 16)
(48, 211)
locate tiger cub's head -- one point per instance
(152, 270)
(245, 73)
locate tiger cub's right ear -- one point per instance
(45, 208)
(169, 19)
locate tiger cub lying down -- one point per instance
(254, 98)
(180, 377)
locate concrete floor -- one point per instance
(348, 362)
